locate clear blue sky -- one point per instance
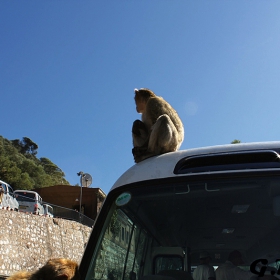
(68, 70)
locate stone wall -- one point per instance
(27, 241)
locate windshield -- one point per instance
(25, 196)
(214, 215)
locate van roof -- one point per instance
(46, 204)
(2, 182)
(162, 166)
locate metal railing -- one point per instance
(70, 214)
(62, 212)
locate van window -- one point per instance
(26, 196)
(10, 190)
(168, 263)
(117, 249)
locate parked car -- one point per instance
(48, 210)
(30, 201)
(7, 197)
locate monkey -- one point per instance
(160, 130)
(54, 269)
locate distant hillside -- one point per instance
(20, 167)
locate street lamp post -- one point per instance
(81, 174)
(86, 181)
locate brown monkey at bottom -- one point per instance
(54, 269)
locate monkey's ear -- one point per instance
(62, 277)
(136, 90)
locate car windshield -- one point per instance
(218, 215)
(10, 190)
(26, 196)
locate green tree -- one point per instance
(50, 168)
(25, 146)
(115, 225)
(20, 167)
(29, 146)
(235, 141)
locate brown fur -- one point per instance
(54, 269)
(21, 275)
(160, 130)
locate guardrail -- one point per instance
(60, 212)
(70, 214)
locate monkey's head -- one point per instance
(62, 269)
(141, 98)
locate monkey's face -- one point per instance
(139, 101)
(140, 105)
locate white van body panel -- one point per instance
(48, 210)
(7, 197)
(177, 205)
(162, 166)
(32, 199)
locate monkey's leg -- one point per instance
(140, 154)
(140, 138)
(140, 134)
(164, 136)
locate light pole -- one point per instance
(81, 174)
(86, 181)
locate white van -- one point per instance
(30, 201)
(164, 211)
(7, 197)
(48, 210)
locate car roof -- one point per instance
(2, 182)
(162, 166)
(26, 191)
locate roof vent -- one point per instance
(228, 161)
